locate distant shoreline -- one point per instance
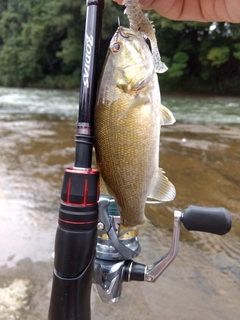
(163, 92)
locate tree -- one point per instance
(34, 35)
(41, 43)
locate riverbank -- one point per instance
(72, 83)
(203, 163)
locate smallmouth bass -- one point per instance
(128, 116)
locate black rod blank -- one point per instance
(88, 88)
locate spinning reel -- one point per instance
(114, 262)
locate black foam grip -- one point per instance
(212, 220)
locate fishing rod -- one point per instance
(76, 235)
(87, 247)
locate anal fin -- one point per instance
(162, 189)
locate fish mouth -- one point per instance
(124, 33)
(131, 65)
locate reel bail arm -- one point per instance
(105, 225)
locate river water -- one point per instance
(200, 155)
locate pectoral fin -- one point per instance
(162, 189)
(135, 103)
(166, 117)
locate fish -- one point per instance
(140, 22)
(127, 120)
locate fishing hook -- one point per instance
(119, 29)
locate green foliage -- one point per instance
(236, 53)
(179, 65)
(41, 43)
(218, 56)
(69, 52)
(209, 69)
(40, 38)
(112, 12)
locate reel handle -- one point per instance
(212, 220)
(109, 274)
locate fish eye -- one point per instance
(116, 47)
